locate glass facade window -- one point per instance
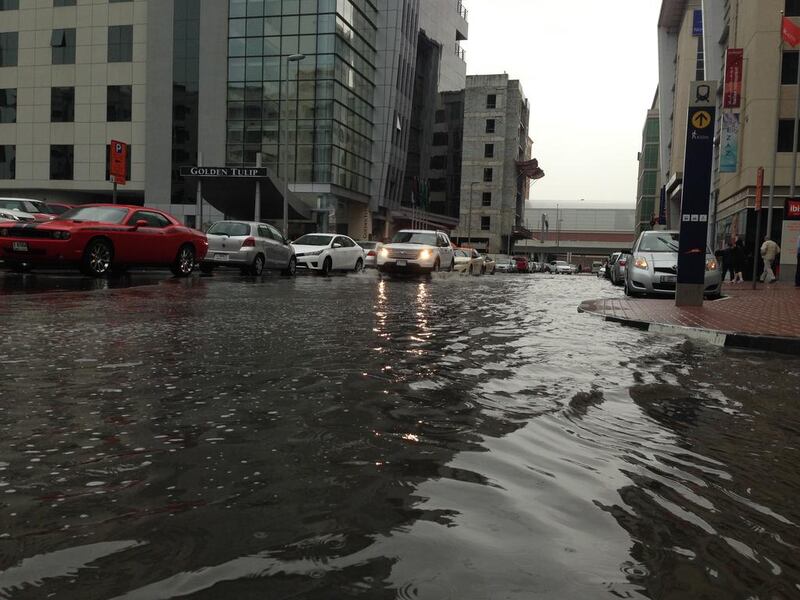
(8, 105)
(792, 8)
(786, 135)
(120, 43)
(491, 101)
(9, 44)
(118, 103)
(9, 5)
(486, 223)
(8, 162)
(488, 174)
(486, 200)
(490, 125)
(649, 183)
(314, 115)
(185, 96)
(62, 104)
(488, 150)
(63, 3)
(62, 159)
(789, 67)
(651, 133)
(62, 42)
(650, 156)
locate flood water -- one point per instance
(345, 437)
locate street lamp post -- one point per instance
(469, 221)
(285, 147)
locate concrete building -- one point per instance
(579, 235)
(207, 82)
(649, 186)
(493, 193)
(763, 123)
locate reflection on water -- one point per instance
(350, 437)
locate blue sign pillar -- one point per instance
(696, 193)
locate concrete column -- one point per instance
(257, 202)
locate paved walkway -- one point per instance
(766, 318)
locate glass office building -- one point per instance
(316, 114)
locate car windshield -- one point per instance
(54, 210)
(101, 214)
(230, 229)
(662, 242)
(561, 263)
(22, 205)
(314, 240)
(412, 237)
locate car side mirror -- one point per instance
(140, 223)
(337, 245)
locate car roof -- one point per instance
(420, 231)
(20, 198)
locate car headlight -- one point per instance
(640, 263)
(711, 265)
(384, 253)
(3, 232)
(61, 235)
(425, 254)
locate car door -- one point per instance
(149, 244)
(267, 244)
(283, 251)
(354, 252)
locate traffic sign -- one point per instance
(118, 162)
(701, 119)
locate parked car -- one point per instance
(467, 260)
(617, 275)
(653, 266)
(249, 246)
(14, 215)
(596, 266)
(57, 208)
(522, 264)
(560, 267)
(505, 264)
(612, 258)
(326, 252)
(417, 251)
(104, 238)
(535, 267)
(602, 272)
(371, 250)
(37, 208)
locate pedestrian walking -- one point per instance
(727, 263)
(769, 251)
(738, 256)
(797, 267)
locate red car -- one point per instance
(102, 239)
(522, 264)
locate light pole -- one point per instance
(469, 222)
(284, 148)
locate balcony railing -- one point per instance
(460, 52)
(462, 9)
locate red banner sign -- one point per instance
(759, 187)
(734, 62)
(792, 210)
(118, 162)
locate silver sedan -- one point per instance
(251, 247)
(652, 267)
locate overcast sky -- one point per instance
(589, 69)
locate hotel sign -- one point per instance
(224, 172)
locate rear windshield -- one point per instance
(368, 245)
(101, 214)
(313, 240)
(662, 242)
(410, 237)
(230, 229)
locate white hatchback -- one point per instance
(326, 252)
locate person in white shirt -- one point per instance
(769, 252)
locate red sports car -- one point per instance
(102, 239)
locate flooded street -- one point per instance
(347, 437)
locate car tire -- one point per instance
(483, 269)
(291, 268)
(437, 266)
(452, 266)
(359, 266)
(257, 268)
(470, 271)
(327, 266)
(97, 258)
(183, 265)
(206, 268)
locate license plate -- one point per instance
(669, 278)
(19, 246)
(222, 257)
(402, 263)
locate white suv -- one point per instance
(417, 251)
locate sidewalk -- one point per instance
(767, 318)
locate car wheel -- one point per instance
(257, 268)
(291, 269)
(184, 261)
(97, 258)
(327, 266)
(437, 266)
(452, 266)
(206, 268)
(483, 270)
(470, 270)
(359, 266)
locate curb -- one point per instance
(722, 339)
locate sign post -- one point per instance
(696, 193)
(759, 202)
(118, 165)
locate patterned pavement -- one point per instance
(770, 310)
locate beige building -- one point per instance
(763, 123)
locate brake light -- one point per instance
(371, 253)
(249, 243)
